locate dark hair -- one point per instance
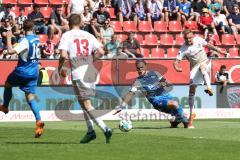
(140, 61)
(187, 31)
(9, 5)
(223, 67)
(28, 25)
(74, 20)
(21, 9)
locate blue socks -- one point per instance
(180, 115)
(7, 96)
(34, 107)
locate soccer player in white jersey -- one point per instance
(193, 50)
(82, 48)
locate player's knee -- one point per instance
(173, 104)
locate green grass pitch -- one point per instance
(149, 140)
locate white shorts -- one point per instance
(196, 76)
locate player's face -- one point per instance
(141, 68)
(189, 39)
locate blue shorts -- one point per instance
(160, 102)
(26, 84)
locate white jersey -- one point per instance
(194, 53)
(80, 46)
(77, 6)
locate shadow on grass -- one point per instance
(151, 127)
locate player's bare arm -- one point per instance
(99, 53)
(124, 102)
(177, 66)
(10, 49)
(212, 47)
(62, 59)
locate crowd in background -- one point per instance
(212, 17)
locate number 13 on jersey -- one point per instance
(82, 47)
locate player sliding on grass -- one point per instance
(153, 85)
(25, 75)
(193, 50)
(78, 46)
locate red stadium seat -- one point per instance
(46, 11)
(56, 2)
(9, 1)
(191, 25)
(56, 38)
(145, 52)
(238, 39)
(234, 53)
(28, 10)
(175, 26)
(42, 38)
(172, 52)
(228, 40)
(139, 37)
(160, 26)
(145, 26)
(150, 39)
(117, 26)
(129, 26)
(111, 12)
(216, 37)
(166, 39)
(41, 2)
(157, 53)
(179, 39)
(121, 37)
(15, 10)
(25, 2)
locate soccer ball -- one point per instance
(125, 125)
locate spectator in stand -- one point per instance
(222, 77)
(8, 14)
(93, 28)
(8, 26)
(86, 16)
(125, 11)
(39, 20)
(106, 32)
(48, 49)
(154, 8)
(214, 5)
(75, 6)
(132, 47)
(120, 54)
(101, 15)
(185, 9)
(196, 9)
(171, 10)
(234, 21)
(206, 23)
(228, 6)
(211, 52)
(111, 47)
(139, 9)
(21, 18)
(221, 23)
(58, 22)
(95, 5)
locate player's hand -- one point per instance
(9, 34)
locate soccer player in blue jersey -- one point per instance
(25, 75)
(153, 85)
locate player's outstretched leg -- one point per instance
(90, 135)
(7, 96)
(34, 107)
(206, 77)
(90, 112)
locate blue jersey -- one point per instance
(29, 54)
(149, 85)
(185, 7)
